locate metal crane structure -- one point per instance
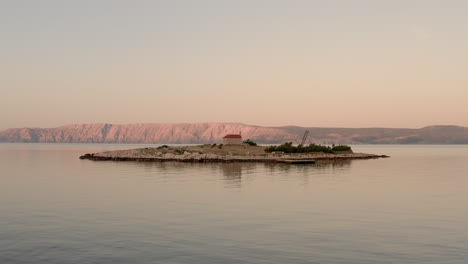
(304, 137)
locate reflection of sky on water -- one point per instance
(356, 210)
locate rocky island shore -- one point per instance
(220, 153)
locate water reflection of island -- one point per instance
(232, 173)
(304, 174)
(319, 167)
(235, 174)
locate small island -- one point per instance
(246, 151)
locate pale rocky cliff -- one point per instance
(213, 133)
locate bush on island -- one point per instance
(250, 142)
(178, 151)
(341, 148)
(289, 148)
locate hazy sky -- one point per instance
(309, 63)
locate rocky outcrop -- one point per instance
(182, 154)
(213, 133)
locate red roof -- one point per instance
(232, 136)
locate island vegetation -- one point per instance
(288, 147)
(250, 142)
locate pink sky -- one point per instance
(271, 63)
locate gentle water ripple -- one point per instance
(56, 208)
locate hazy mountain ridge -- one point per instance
(213, 133)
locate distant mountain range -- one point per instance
(213, 133)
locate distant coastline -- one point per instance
(202, 133)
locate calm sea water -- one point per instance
(410, 208)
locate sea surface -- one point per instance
(56, 208)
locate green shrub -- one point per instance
(250, 142)
(162, 147)
(341, 148)
(178, 151)
(289, 148)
